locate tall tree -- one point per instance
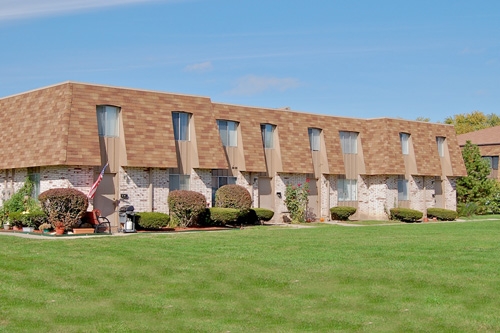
(476, 185)
(470, 122)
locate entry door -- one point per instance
(105, 198)
(266, 197)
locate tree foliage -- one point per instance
(477, 185)
(474, 121)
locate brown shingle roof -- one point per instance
(487, 136)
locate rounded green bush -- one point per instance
(233, 196)
(186, 206)
(152, 220)
(263, 214)
(405, 214)
(342, 213)
(442, 214)
(223, 216)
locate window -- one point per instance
(219, 179)
(314, 137)
(347, 189)
(493, 161)
(404, 138)
(267, 135)
(107, 120)
(228, 132)
(181, 125)
(349, 142)
(178, 182)
(440, 145)
(34, 176)
(402, 188)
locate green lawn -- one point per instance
(425, 277)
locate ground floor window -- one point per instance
(219, 179)
(347, 189)
(402, 189)
(34, 177)
(178, 182)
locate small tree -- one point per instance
(296, 200)
(477, 185)
(64, 206)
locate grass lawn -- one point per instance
(424, 277)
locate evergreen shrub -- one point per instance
(152, 220)
(405, 214)
(442, 214)
(224, 216)
(342, 213)
(263, 214)
(233, 196)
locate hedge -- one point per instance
(31, 219)
(64, 206)
(186, 206)
(342, 213)
(223, 216)
(442, 214)
(405, 214)
(152, 220)
(233, 196)
(263, 214)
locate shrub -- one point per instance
(64, 206)
(20, 201)
(27, 219)
(186, 206)
(406, 214)
(233, 196)
(342, 213)
(152, 220)
(442, 214)
(468, 209)
(296, 199)
(263, 214)
(223, 216)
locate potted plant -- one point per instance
(60, 227)
(45, 227)
(6, 225)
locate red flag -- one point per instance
(93, 189)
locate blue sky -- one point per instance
(356, 58)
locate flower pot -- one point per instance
(28, 229)
(16, 228)
(59, 230)
(6, 226)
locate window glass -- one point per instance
(34, 176)
(267, 135)
(219, 180)
(228, 132)
(440, 145)
(402, 189)
(347, 189)
(107, 120)
(349, 142)
(178, 182)
(181, 125)
(404, 137)
(314, 138)
(493, 161)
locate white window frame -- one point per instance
(405, 143)
(228, 131)
(349, 142)
(347, 189)
(403, 189)
(268, 135)
(180, 121)
(314, 138)
(179, 182)
(440, 145)
(108, 121)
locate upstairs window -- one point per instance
(349, 142)
(268, 135)
(492, 161)
(402, 189)
(181, 125)
(347, 189)
(107, 120)
(228, 133)
(314, 137)
(404, 138)
(440, 145)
